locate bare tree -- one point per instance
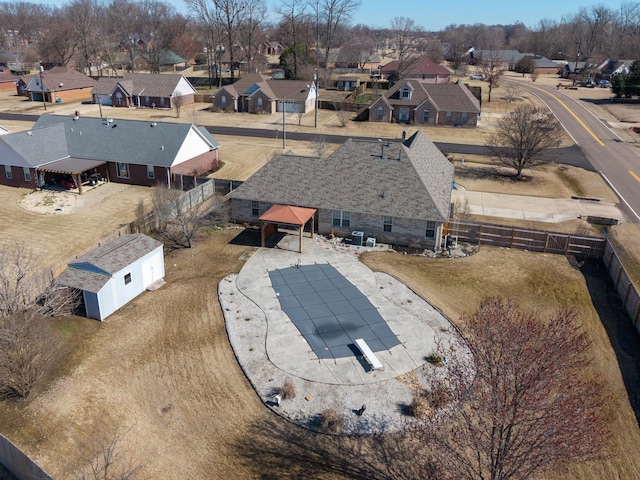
(251, 30)
(493, 68)
(522, 135)
(108, 456)
(523, 403)
(343, 117)
(178, 101)
(331, 17)
(178, 220)
(294, 28)
(27, 348)
(405, 33)
(510, 92)
(320, 146)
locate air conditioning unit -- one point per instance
(357, 238)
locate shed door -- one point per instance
(152, 270)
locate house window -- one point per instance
(146, 101)
(27, 174)
(7, 172)
(405, 93)
(340, 83)
(127, 279)
(341, 218)
(403, 115)
(380, 112)
(162, 101)
(430, 230)
(255, 208)
(259, 103)
(151, 173)
(463, 118)
(425, 115)
(122, 170)
(448, 114)
(223, 102)
(118, 99)
(387, 223)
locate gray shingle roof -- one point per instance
(454, 97)
(412, 180)
(274, 89)
(93, 270)
(63, 78)
(38, 146)
(152, 85)
(131, 141)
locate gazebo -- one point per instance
(285, 215)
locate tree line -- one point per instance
(105, 34)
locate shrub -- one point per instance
(435, 358)
(330, 421)
(439, 396)
(419, 406)
(288, 390)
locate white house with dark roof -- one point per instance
(143, 90)
(427, 103)
(115, 273)
(124, 151)
(397, 192)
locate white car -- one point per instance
(477, 76)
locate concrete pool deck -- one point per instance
(270, 349)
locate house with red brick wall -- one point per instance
(57, 85)
(149, 90)
(422, 103)
(124, 151)
(256, 93)
(421, 68)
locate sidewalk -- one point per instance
(534, 209)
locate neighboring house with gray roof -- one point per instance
(115, 273)
(124, 151)
(256, 93)
(398, 192)
(424, 103)
(59, 84)
(143, 90)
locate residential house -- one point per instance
(270, 48)
(156, 62)
(424, 103)
(500, 59)
(347, 83)
(257, 94)
(85, 148)
(8, 81)
(115, 273)
(396, 192)
(59, 84)
(610, 68)
(421, 68)
(143, 90)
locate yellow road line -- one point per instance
(634, 175)
(573, 115)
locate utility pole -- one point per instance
(44, 100)
(315, 82)
(284, 126)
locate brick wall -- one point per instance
(198, 165)
(405, 231)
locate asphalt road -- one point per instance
(617, 161)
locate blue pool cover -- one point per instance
(329, 311)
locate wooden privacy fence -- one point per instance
(624, 286)
(533, 240)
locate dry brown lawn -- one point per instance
(163, 367)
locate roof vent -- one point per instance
(154, 124)
(161, 147)
(61, 85)
(29, 133)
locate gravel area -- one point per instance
(386, 401)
